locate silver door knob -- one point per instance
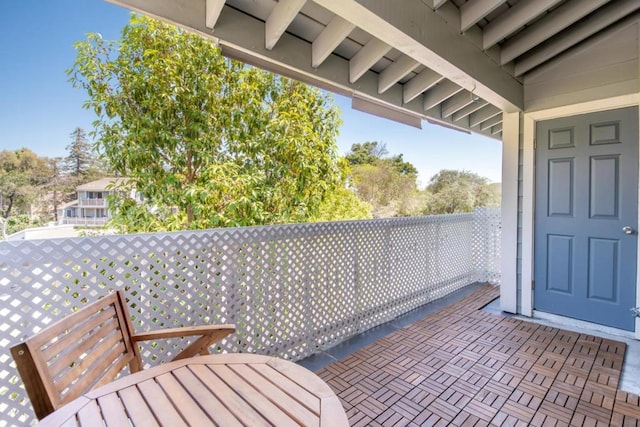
(628, 230)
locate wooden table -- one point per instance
(226, 390)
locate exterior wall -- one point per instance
(604, 67)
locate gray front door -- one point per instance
(586, 196)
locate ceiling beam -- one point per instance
(437, 94)
(213, 9)
(606, 16)
(434, 4)
(396, 71)
(556, 21)
(337, 30)
(513, 19)
(449, 53)
(631, 19)
(420, 83)
(496, 129)
(473, 11)
(456, 103)
(489, 123)
(483, 114)
(279, 20)
(366, 57)
(468, 110)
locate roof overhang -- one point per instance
(458, 63)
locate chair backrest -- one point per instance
(83, 351)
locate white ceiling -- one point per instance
(458, 63)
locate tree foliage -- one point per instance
(343, 203)
(81, 158)
(453, 191)
(209, 141)
(22, 173)
(366, 153)
(387, 183)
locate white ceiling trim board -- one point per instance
(513, 19)
(450, 54)
(420, 83)
(437, 94)
(556, 21)
(456, 103)
(466, 111)
(483, 114)
(333, 34)
(606, 16)
(366, 57)
(279, 20)
(473, 11)
(213, 9)
(489, 123)
(396, 71)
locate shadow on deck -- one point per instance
(463, 366)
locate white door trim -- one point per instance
(528, 187)
(509, 212)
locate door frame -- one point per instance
(528, 187)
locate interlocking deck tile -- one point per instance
(464, 367)
(465, 419)
(557, 412)
(392, 419)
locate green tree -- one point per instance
(208, 141)
(80, 157)
(366, 153)
(387, 183)
(82, 161)
(61, 187)
(402, 167)
(22, 175)
(342, 203)
(452, 191)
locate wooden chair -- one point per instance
(89, 349)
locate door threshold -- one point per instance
(581, 325)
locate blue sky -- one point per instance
(39, 108)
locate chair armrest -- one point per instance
(209, 335)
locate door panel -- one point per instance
(603, 269)
(603, 186)
(560, 264)
(586, 192)
(560, 193)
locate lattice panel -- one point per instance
(291, 290)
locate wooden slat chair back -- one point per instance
(90, 348)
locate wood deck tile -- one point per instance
(581, 420)
(506, 419)
(392, 419)
(561, 399)
(482, 410)
(421, 397)
(594, 411)
(428, 418)
(465, 367)
(465, 419)
(557, 412)
(357, 418)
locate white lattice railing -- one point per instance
(291, 290)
